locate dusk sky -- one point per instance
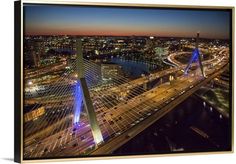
(81, 20)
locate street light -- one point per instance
(30, 83)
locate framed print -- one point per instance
(97, 80)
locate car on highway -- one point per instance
(149, 114)
(117, 133)
(132, 124)
(141, 118)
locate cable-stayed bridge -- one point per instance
(123, 108)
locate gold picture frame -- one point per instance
(20, 83)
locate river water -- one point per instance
(174, 132)
(133, 69)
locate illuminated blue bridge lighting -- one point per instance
(193, 59)
(78, 103)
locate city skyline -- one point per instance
(86, 20)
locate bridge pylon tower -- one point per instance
(196, 56)
(84, 91)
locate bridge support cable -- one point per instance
(55, 109)
(122, 82)
(61, 90)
